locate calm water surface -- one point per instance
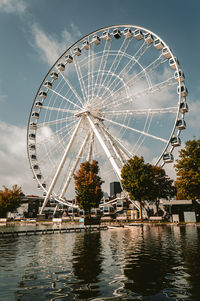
(156, 263)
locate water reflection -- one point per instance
(139, 263)
(86, 265)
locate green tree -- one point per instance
(162, 186)
(10, 199)
(137, 179)
(88, 186)
(188, 171)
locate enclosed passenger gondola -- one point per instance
(166, 53)
(180, 124)
(38, 104)
(183, 107)
(48, 85)
(106, 35)
(35, 115)
(33, 126)
(36, 167)
(31, 136)
(179, 74)
(86, 45)
(138, 34)
(96, 40)
(31, 147)
(158, 44)
(33, 157)
(182, 90)
(175, 141)
(128, 33)
(54, 75)
(43, 94)
(61, 67)
(77, 51)
(168, 158)
(39, 176)
(173, 63)
(148, 38)
(117, 33)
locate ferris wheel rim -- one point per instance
(82, 39)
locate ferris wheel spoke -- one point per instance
(56, 121)
(102, 66)
(136, 131)
(142, 111)
(156, 88)
(116, 62)
(63, 97)
(80, 78)
(73, 91)
(143, 73)
(131, 63)
(119, 144)
(58, 109)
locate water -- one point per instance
(156, 263)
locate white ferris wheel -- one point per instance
(117, 92)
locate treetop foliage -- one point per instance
(10, 199)
(88, 185)
(188, 171)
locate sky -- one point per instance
(34, 34)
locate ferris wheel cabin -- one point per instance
(138, 34)
(172, 63)
(35, 167)
(32, 136)
(166, 53)
(86, 45)
(182, 90)
(31, 147)
(43, 94)
(180, 74)
(54, 75)
(175, 141)
(106, 35)
(180, 124)
(158, 44)
(38, 104)
(35, 115)
(77, 51)
(48, 85)
(33, 126)
(117, 33)
(128, 33)
(168, 158)
(33, 157)
(96, 40)
(148, 38)
(61, 67)
(183, 107)
(68, 59)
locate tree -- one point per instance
(188, 171)
(88, 186)
(162, 186)
(10, 199)
(137, 179)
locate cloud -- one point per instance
(50, 47)
(13, 158)
(12, 6)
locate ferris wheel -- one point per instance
(117, 92)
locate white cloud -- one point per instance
(12, 6)
(13, 158)
(51, 47)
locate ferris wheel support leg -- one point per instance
(74, 167)
(90, 148)
(62, 162)
(114, 145)
(106, 150)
